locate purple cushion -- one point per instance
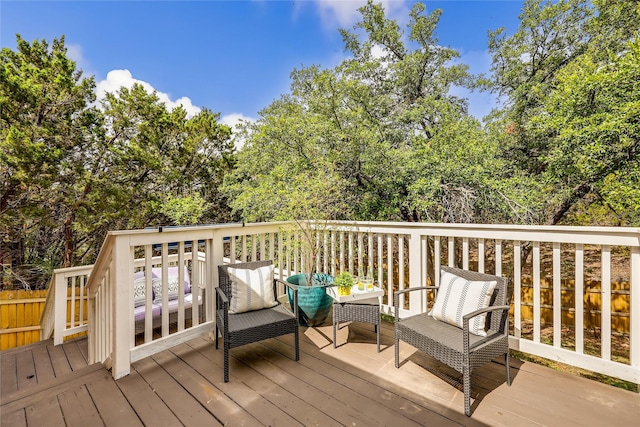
(139, 312)
(173, 272)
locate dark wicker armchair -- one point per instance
(244, 328)
(455, 346)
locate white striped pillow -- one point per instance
(251, 289)
(458, 296)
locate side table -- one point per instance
(360, 306)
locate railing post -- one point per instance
(60, 304)
(215, 257)
(122, 298)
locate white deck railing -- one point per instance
(549, 315)
(63, 317)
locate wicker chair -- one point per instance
(455, 346)
(252, 326)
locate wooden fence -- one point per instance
(20, 317)
(592, 297)
(20, 313)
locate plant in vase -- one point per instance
(344, 283)
(313, 302)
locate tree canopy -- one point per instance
(72, 170)
(380, 136)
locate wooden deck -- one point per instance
(351, 385)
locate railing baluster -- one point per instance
(465, 253)
(498, 256)
(360, 253)
(481, 255)
(634, 299)
(517, 289)
(605, 298)
(557, 297)
(232, 250)
(390, 268)
(436, 259)
(244, 248)
(536, 291)
(578, 295)
(401, 269)
(350, 252)
(451, 243)
(342, 263)
(333, 253)
(181, 295)
(148, 300)
(272, 244)
(370, 254)
(380, 269)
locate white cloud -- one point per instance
(345, 13)
(119, 78)
(233, 120)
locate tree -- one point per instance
(593, 116)
(379, 136)
(532, 71)
(71, 171)
(44, 125)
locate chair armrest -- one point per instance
(469, 316)
(222, 296)
(475, 313)
(420, 288)
(295, 294)
(396, 297)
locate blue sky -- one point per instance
(233, 57)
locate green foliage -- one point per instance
(378, 137)
(569, 75)
(70, 172)
(184, 210)
(344, 280)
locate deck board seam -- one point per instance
(74, 378)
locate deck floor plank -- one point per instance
(359, 374)
(225, 408)
(16, 418)
(78, 408)
(196, 384)
(151, 410)
(344, 403)
(111, 403)
(42, 363)
(74, 355)
(59, 360)
(45, 413)
(26, 370)
(251, 401)
(173, 394)
(8, 370)
(275, 383)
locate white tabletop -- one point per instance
(357, 296)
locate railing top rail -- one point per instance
(175, 229)
(104, 257)
(78, 268)
(623, 236)
(466, 226)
